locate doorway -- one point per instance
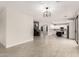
(59, 30)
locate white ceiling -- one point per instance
(59, 10)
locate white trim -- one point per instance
(8, 46)
(2, 45)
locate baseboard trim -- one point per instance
(9, 46)
(2, 45)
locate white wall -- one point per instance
(72, 30)
(3, 26)
(19, 27)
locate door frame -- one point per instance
(68, 31)
(76, 29)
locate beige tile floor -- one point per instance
(44, 46)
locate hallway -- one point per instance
(21, 21)
(48, 46)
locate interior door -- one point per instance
(76, 29)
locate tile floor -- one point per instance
(44, 46)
